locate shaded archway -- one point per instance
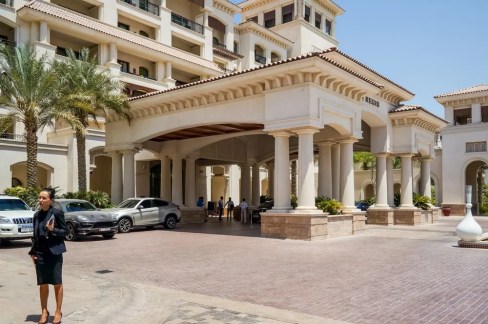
(475, 177)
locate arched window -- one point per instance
(143, 33)
(236, 47)
(275, 57)
(259, 54)
(143, 72)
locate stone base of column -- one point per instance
(407, 216)
(310, 227)
(380, 216)
(192, 215)
(306, 210)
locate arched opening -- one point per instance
(155, 181)
(44, 174)
(259, 54)
(475, 177)
(100, 172)
(369, 191)
(218, 31)
(275, 57)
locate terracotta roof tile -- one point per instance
(369, 69)
(94, 24)
(414, 107)
(293, 59)
(478, 88)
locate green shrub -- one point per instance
(29, 195)
(294, 201)
(422, 202)
(328, 205)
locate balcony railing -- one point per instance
(13, 137)
(219, 45)
(139, 75)
(182, 21)
(9, 3)
(146, 6)
(259, 58)
(7, 42)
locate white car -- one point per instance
(147, 212)
(15, 219)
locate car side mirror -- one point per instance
(140, 207)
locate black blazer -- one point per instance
(55, 238)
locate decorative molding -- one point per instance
(226, 6)
(262, 32)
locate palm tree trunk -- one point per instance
(31, 148)
(81, 150)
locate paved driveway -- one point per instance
(388, 275)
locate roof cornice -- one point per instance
(226, 6)
(329, 5)
(256, 29)
(416, 116)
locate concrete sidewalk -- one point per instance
(105, 299)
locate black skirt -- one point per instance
(49, 267)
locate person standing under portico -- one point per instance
(220, 206)
(230, 209)
(243, 206)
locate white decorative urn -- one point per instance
(469, 230)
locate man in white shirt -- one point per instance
(243, 206)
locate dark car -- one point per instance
(83, 219)
(256, 213)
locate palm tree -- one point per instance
(88, 94)
(28, 90)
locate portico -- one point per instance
(309, 107)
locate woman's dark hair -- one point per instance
(50, 191)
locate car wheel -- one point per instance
(124, 225)
(71, 235)
(108, 236)
(170, 222)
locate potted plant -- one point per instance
(446, 211)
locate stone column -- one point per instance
(347, 174)
(336, 171)
(190, 199)
(128, 190)
(306, 170)
(44, 32)
(166, 178)
(425, 177)
(325, 170)
(177, 181)
(407, 195)
(168, 71)
(246, 182)
(281, 172)
(271, 177)
(112, 52)
(389, 181)
(255, 184)
(116, 185)
(381, 181)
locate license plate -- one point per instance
(26, 229)
(104, 229)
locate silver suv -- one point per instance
(15, 219)
(147, 212)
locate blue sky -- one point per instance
(427, 46)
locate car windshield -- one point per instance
(13, 204)
(129, 203)
(78, 206)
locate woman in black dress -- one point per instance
(47, 252)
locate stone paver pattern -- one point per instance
(394, 274)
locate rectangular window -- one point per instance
(287, 13)
(472, 147)
(123, 26)
(307, 14)
(269, 19)
(328, 27)
(318, 20)
(124, 66)
(462, 116)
